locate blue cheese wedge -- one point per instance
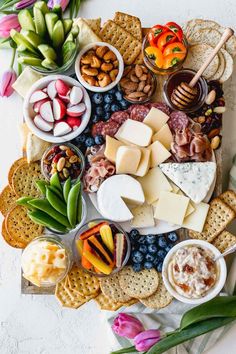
(193, 178)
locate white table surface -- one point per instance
(37, 324)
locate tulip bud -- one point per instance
(24, 4)
(127, 326)
(7, 23)
(145, 340)
(62, 3)
(6, 81)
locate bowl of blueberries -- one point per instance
(149, 251)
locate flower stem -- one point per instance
(13, 58)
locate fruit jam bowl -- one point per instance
(101, 247)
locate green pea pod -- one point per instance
(58, 35)
(72, 204)
(45, 206)
(49, 64)
(20, 40)
(55, 181)
(26, 20)
(50, 19)
(42, 6)
(24, 202)
(47, 51)
(41, 218)
(66, 189)
(57, 192)
(80, 207)
(39, 21)
(32, 37)
(55, 201)
(41, 185)
(30, 61)
(67, 23)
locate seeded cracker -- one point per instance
(94, 24)
(7, 200)
(9, 240)
(64, 298)
(229, 66)
(229, 198)
(130, 23)
(24, 178)
(111, 288)
(83, 283)
(224, 240)
(13, 168)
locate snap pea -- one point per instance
(72, 203)
(55, 181)
(80, 206)
(57, 192)
(41, 185)
(41, 218)
(66, 188)
(45, 206)
(24, 202)
(55, 201)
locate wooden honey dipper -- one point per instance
(184, 94)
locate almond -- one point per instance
(138, 70)
(61, 164)
(136, 94)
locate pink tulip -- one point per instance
(62, 3)
(127, 326)
(6, 81)
(24, 4)
(7, 23)
(145, 340)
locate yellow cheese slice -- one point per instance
(24, 82)
(111, 148)
(144, 163)
(35, 147)
(86, 34)
(127, 159)
(134, 132)
(159, 153)
(155, 119)
(143, 216)
(190, 208)
(165, 136)
(196, 220)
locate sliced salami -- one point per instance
(97, 128)
(162, 106)
(110, 128)
(178, 121)
(119, 117)
(139, 112)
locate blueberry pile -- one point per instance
(149, 251)
(103, 105)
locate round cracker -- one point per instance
(199, 24)
(7, 200)
(110, 287)
(9, 240)
(161, 298)
(106, 303)
(20, 227)
(82, 282)
(197, 55)
(210, 36)
(24, 178)
(138, 284)
(221, 67)
(13, 167)
(230, 45)
(229, 66)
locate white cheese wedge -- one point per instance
(153, 183)
(143, 216)
(113, 195)
(193, 178)
(155, 119)
(24, 82)
(127, 159)
(35, 148)
(171, 207)
(159, 153)
(86, 34)
(134, 132)
(144, 163)
(111, 148)
(196, 220)
(165, 136)
(190, 208)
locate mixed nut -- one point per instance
(64, 160)
(137, 83)
(99, 66)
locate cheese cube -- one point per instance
(143, 216)
(144, 163)
(171, 207)
(197, 219)
(155, 119)
(165, 136)
(134, 132)
(153, 183)
(158, 153)
(111, 148)
(127, 159)
(190, 208)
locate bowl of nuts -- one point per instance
(99, 67)
(138, 84)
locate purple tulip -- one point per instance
(127, 326)
(24, 3)
(6, 81)
(62, 3)
(7, 23)
(145, 340)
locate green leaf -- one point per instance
(125, 350)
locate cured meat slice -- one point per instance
(178, 121)
(110, 128)
(119, 117)
(162, 106)
(97, 128)
(139, 112)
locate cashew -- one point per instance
(95, 62)
(113, 74)
(87, 58)
(101, 51)
(110, 56)
(89, 71)
(104, 79)
(106, 67)
(89, 79)
(116, 64)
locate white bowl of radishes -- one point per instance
(57, 108)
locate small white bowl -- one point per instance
(95, 88)
(215, 289)
(29, 113)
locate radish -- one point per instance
(77, 110)
(37, 105)
(59, 108)
(76, 95)
(65, 99)
(62, 88)
(42, 124)
(37, 95)
(52, 92)
(45, 90)
(61, 128)
(46, 111)
(74, 122)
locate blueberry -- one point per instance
(148, 265)
(95, 118)
(124, 104)
(172, 237)
(99, 111)
(134, 233)
(80, 139)
(137, 267)
(106, 116)
(115, 107)
(142, 239)
(152, 248)
(118, 96)
(143, 248)
(150, 239)
(89, 141)
(162, 241)
(113, 90)
(97, 98)
(168, 248)
(137, 257)
(159, 266)
(108, 98)
(161, 254)
(156, 260)
(149, 257)
(86, 131)
(107, 107)
(99, 140)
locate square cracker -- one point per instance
(94, 24)
(128, 45)
(218, 217)
(130, 23)
(224, 240)
(229, 198)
